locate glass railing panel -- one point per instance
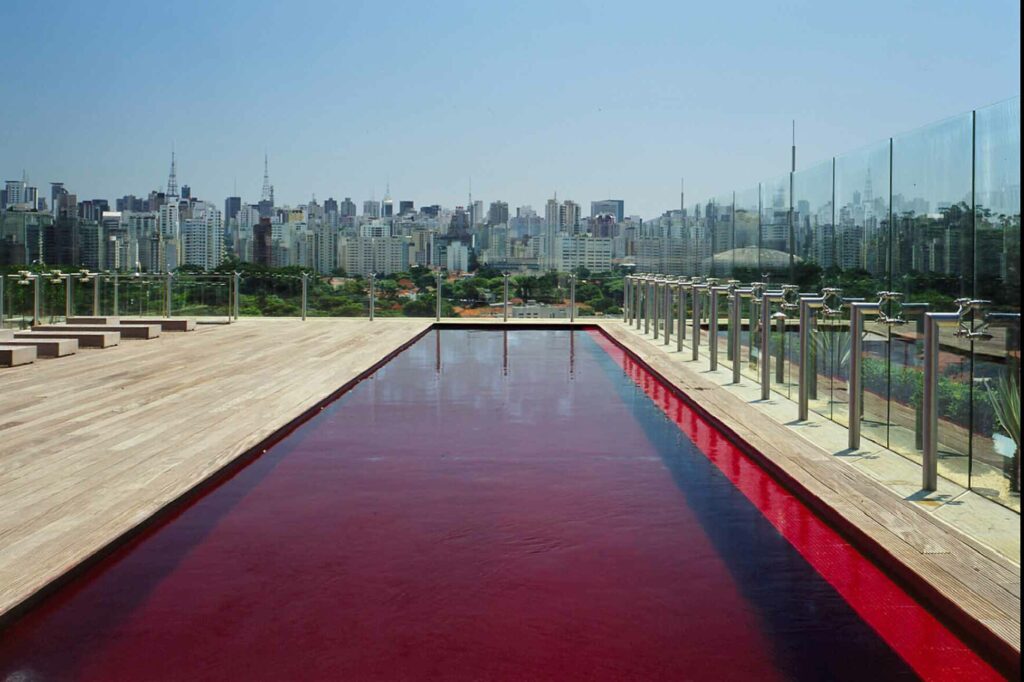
(53, 297)
(931, 255)
(776, 257)
(906, 383)
(18, 301)
(995, 438)
(141, 295)
(822, 338)
(750, 341)
(270, 294)
(877, 349)
(837, 349)
(206, 297)
(746, 267)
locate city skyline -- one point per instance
(637, 100)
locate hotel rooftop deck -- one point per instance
(96, 445)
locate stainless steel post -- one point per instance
(656, 306)
(504, 307)
(934, 322)
(647, 306)
(572, 298)
(305, 291)
(238, 293)
(735, 324)
(858, 311)
(437, 313)
(682, 310)
(625, 298)
(36, 294)
(780, 361)
(373, 294)
(168, 288)
(808, 374)
(681, 315)
(714, 293)
(696, 290)
(668, 310)
(767, 299)
(68, 297)
(1, 301)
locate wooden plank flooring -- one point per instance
(978, 581)
(94, 444)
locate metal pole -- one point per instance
(238, 293)
(116, 287)
(36, 291)
(647, 306)
(856, 390)
(934, 322)
(780, 362)
(808, 373)
(305, 291)
(1, 301)
(715, 292)
(735, 324)
(505, 304)
(668, 311)
(572, 298)
(373, 293)
(96, 295)
(625, 298)
(437, 314)
(169, 288)
(656, 306)
(766, 327)
(68, 298)
(638, 306)
(682, 312)
(695, 341)
(681, 316)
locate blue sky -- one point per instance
(587, 99)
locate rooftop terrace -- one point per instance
(97, 445)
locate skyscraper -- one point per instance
(614, 207)
(232, 205)
(497, 214)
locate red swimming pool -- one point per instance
(492, 505)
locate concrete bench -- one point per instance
(45, 348)
(86, 339)
(128, 331)
(16, 355)
(167, 324)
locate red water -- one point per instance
(492, 506)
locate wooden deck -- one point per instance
(957, 575)
(93, 445)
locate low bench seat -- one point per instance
(167, 324)
(11, 356)
(45, 348)
(128, 331)
(86, 339)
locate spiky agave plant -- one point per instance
(1005, 402)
